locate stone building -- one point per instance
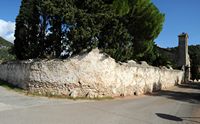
(183, 55)
(180, 56)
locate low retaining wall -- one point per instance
(92, 75)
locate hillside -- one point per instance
(194, 52)
(5, 46)
(4, 42)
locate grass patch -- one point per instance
(68, 97)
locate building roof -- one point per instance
(183, 35)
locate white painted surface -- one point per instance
(93, 75)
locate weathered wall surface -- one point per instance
(91, 75)
(15, 72)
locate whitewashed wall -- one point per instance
(92, 75)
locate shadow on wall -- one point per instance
(179, 119)
(157, 87)
(9, 86)
(181, 96)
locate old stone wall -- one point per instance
(89, 75)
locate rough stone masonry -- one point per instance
(90, 75)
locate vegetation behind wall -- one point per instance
(194, 53)
(5, 48)
(125, 29)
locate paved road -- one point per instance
(179, 105)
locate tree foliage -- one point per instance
(144, 22)
(125, 29)
(194, 52)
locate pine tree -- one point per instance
(89, 19)
(116, 41)
(144, 22)
(121, 7)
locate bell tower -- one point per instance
(183, 55)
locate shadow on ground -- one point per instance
(182, 95)
(190, 85)
(178, 119)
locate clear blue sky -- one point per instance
(9, 9)
(180, 16)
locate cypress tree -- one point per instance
(25, 44)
